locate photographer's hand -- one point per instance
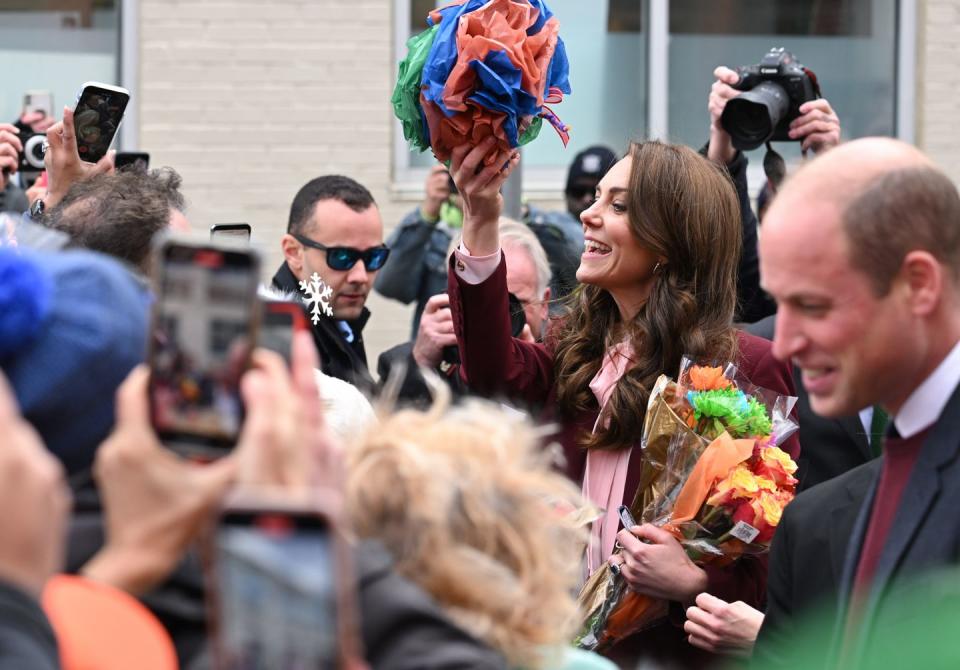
(437, 191)
(435, 332)
(818, 125)
(64, 165)
(10, 148)
(721, 148)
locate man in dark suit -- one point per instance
(861, 250)
(829, 446)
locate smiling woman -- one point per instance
(658, 274)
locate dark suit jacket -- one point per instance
(807, 560)
(829, 447)
(496, 364)
(924, 537)
(338, 358)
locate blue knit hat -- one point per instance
(72, 326)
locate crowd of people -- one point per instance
(473, 483)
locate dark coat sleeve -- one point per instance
(777, 630)
(26, 638)
(404, 271)
(493, 362)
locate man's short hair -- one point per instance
(915, 208)
(118, 214)
(515, 234)
(329, 187)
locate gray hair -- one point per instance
(515, 234)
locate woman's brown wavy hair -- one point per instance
(684, 208)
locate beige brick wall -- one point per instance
(938, 78)
(248, 100)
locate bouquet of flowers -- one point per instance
(483, 67)
(713, 476)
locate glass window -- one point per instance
(56, 46)
(849, 44)
(607, 52)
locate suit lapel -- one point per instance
(920, 493)
(854, 427)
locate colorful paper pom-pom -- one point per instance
(484, 67)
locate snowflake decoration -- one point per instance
(318, 297)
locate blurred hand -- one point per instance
(479, 172)
(10, 148)
(64, 165)
(721, 145)
(722, 627)
(818, 125)
(437, 191)
(35, 500)
(655, 564)
(155, 503)
(285, 445)
(38, 121)
(435, 332)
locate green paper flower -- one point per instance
(406, 94)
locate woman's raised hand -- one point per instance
(479, 172)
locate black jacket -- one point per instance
(828, 446)
(807, 562)
(827, 525)
(26, 638)
(338, 358)
(413, 389)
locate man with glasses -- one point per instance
(335, 231)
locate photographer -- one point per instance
(818, 128)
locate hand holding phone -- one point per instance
(279, 597)
(97, 117)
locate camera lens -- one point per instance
(752, 117)
(33, 151)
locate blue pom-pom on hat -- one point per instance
(24, 301)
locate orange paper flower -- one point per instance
(704, 378)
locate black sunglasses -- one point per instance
(344, 258)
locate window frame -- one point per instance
(547, 182)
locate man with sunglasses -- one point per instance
(335, 230)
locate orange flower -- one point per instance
(741, 483)
(776, 464)
(705, 378)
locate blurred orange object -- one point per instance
(99, 627)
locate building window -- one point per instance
(56, 46)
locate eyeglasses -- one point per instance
(344, 258)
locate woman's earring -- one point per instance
(656, 268)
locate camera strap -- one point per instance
(774, 167)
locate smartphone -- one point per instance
(38, 101)
(97, 117)
(205, 321)
(281, 319)
(275, 593)
(125, 158)
(625, 517)
(234, 230)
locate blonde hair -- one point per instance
(467, 504)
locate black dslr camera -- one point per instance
(773, 93)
